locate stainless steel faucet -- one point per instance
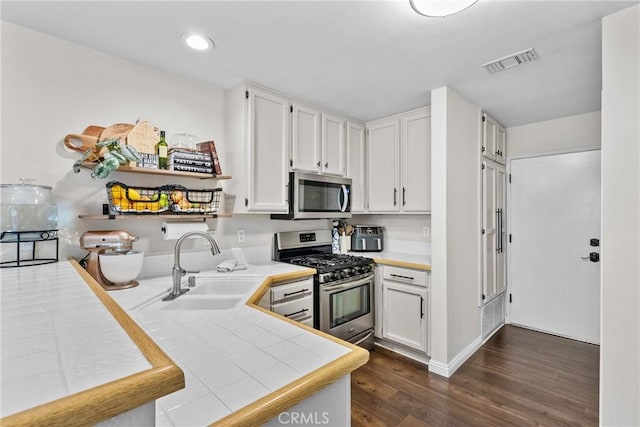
(178, 271)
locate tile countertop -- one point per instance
(235, 357)
(399, 259)
(58, 341)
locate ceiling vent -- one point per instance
(511, 61)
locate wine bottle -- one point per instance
(161, 150)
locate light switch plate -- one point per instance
(241, 236)
(426, 231)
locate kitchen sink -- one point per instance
(216, 285)
(211, 292)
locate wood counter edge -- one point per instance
(113, 398)
(414, 265)
(266, 408)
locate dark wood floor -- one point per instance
(518, 378)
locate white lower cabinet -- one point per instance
(404, 306)
(291, 299)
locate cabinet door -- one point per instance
(501, 145)
(489, 226)
(334, 152)
(501, 232)
(405, 314)
(355, 165)
(415, 152)
(268, 152)
(305, 138)
(383, 150)
(489, 137)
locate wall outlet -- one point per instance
(241, 236)
(426, 231)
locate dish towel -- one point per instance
(230, 265)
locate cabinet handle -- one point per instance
(304, 310)
(402, 277)
(326, 165)
(395, 197)
(288, 294)
(404, 196)
(318, 164)
(421, 307)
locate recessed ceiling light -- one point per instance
(197, 42)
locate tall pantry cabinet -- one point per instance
(494, 231)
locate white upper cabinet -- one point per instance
(318, 142)
(305, 147)
(415, 149)
(399, 163)
(494, 139)
(333, 145)
(258, 127)
(356, 165)
(383, 165)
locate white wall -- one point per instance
(455, 315)
(557, 135)
(620, 322)
(398, 227)
(52, 87)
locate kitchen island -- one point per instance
(244, 365)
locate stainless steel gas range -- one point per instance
(343, 285)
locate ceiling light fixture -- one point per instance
(197, 42)
(440, 9)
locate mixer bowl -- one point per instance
(121, 268)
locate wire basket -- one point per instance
(125, 199)
(187, 201)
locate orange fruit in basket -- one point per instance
(117, 192)
(153, 206)
(124, 204)
(184, 205)
(139, 206)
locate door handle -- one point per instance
(404, 196)
(395, 197)
(593, 257)
(421, 307)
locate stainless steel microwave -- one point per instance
(314, 196)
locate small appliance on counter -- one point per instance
(367, 238)
(111, 260)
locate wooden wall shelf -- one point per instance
(160, 216)
(148, 171)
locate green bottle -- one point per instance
(161, 150)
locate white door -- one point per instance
(403, 312)
(383, 151)
(333, 145)
(554, 212)
(355, 165)
(416, 162)
(489, 227)
(305, 138)
(268, 152)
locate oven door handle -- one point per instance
(342, 286)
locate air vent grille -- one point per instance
(511, 61)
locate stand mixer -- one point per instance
(100, 242)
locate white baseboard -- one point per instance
(500, 326)
(448, 369)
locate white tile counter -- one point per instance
(400, 259)
(230, 358)
(57, 337)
